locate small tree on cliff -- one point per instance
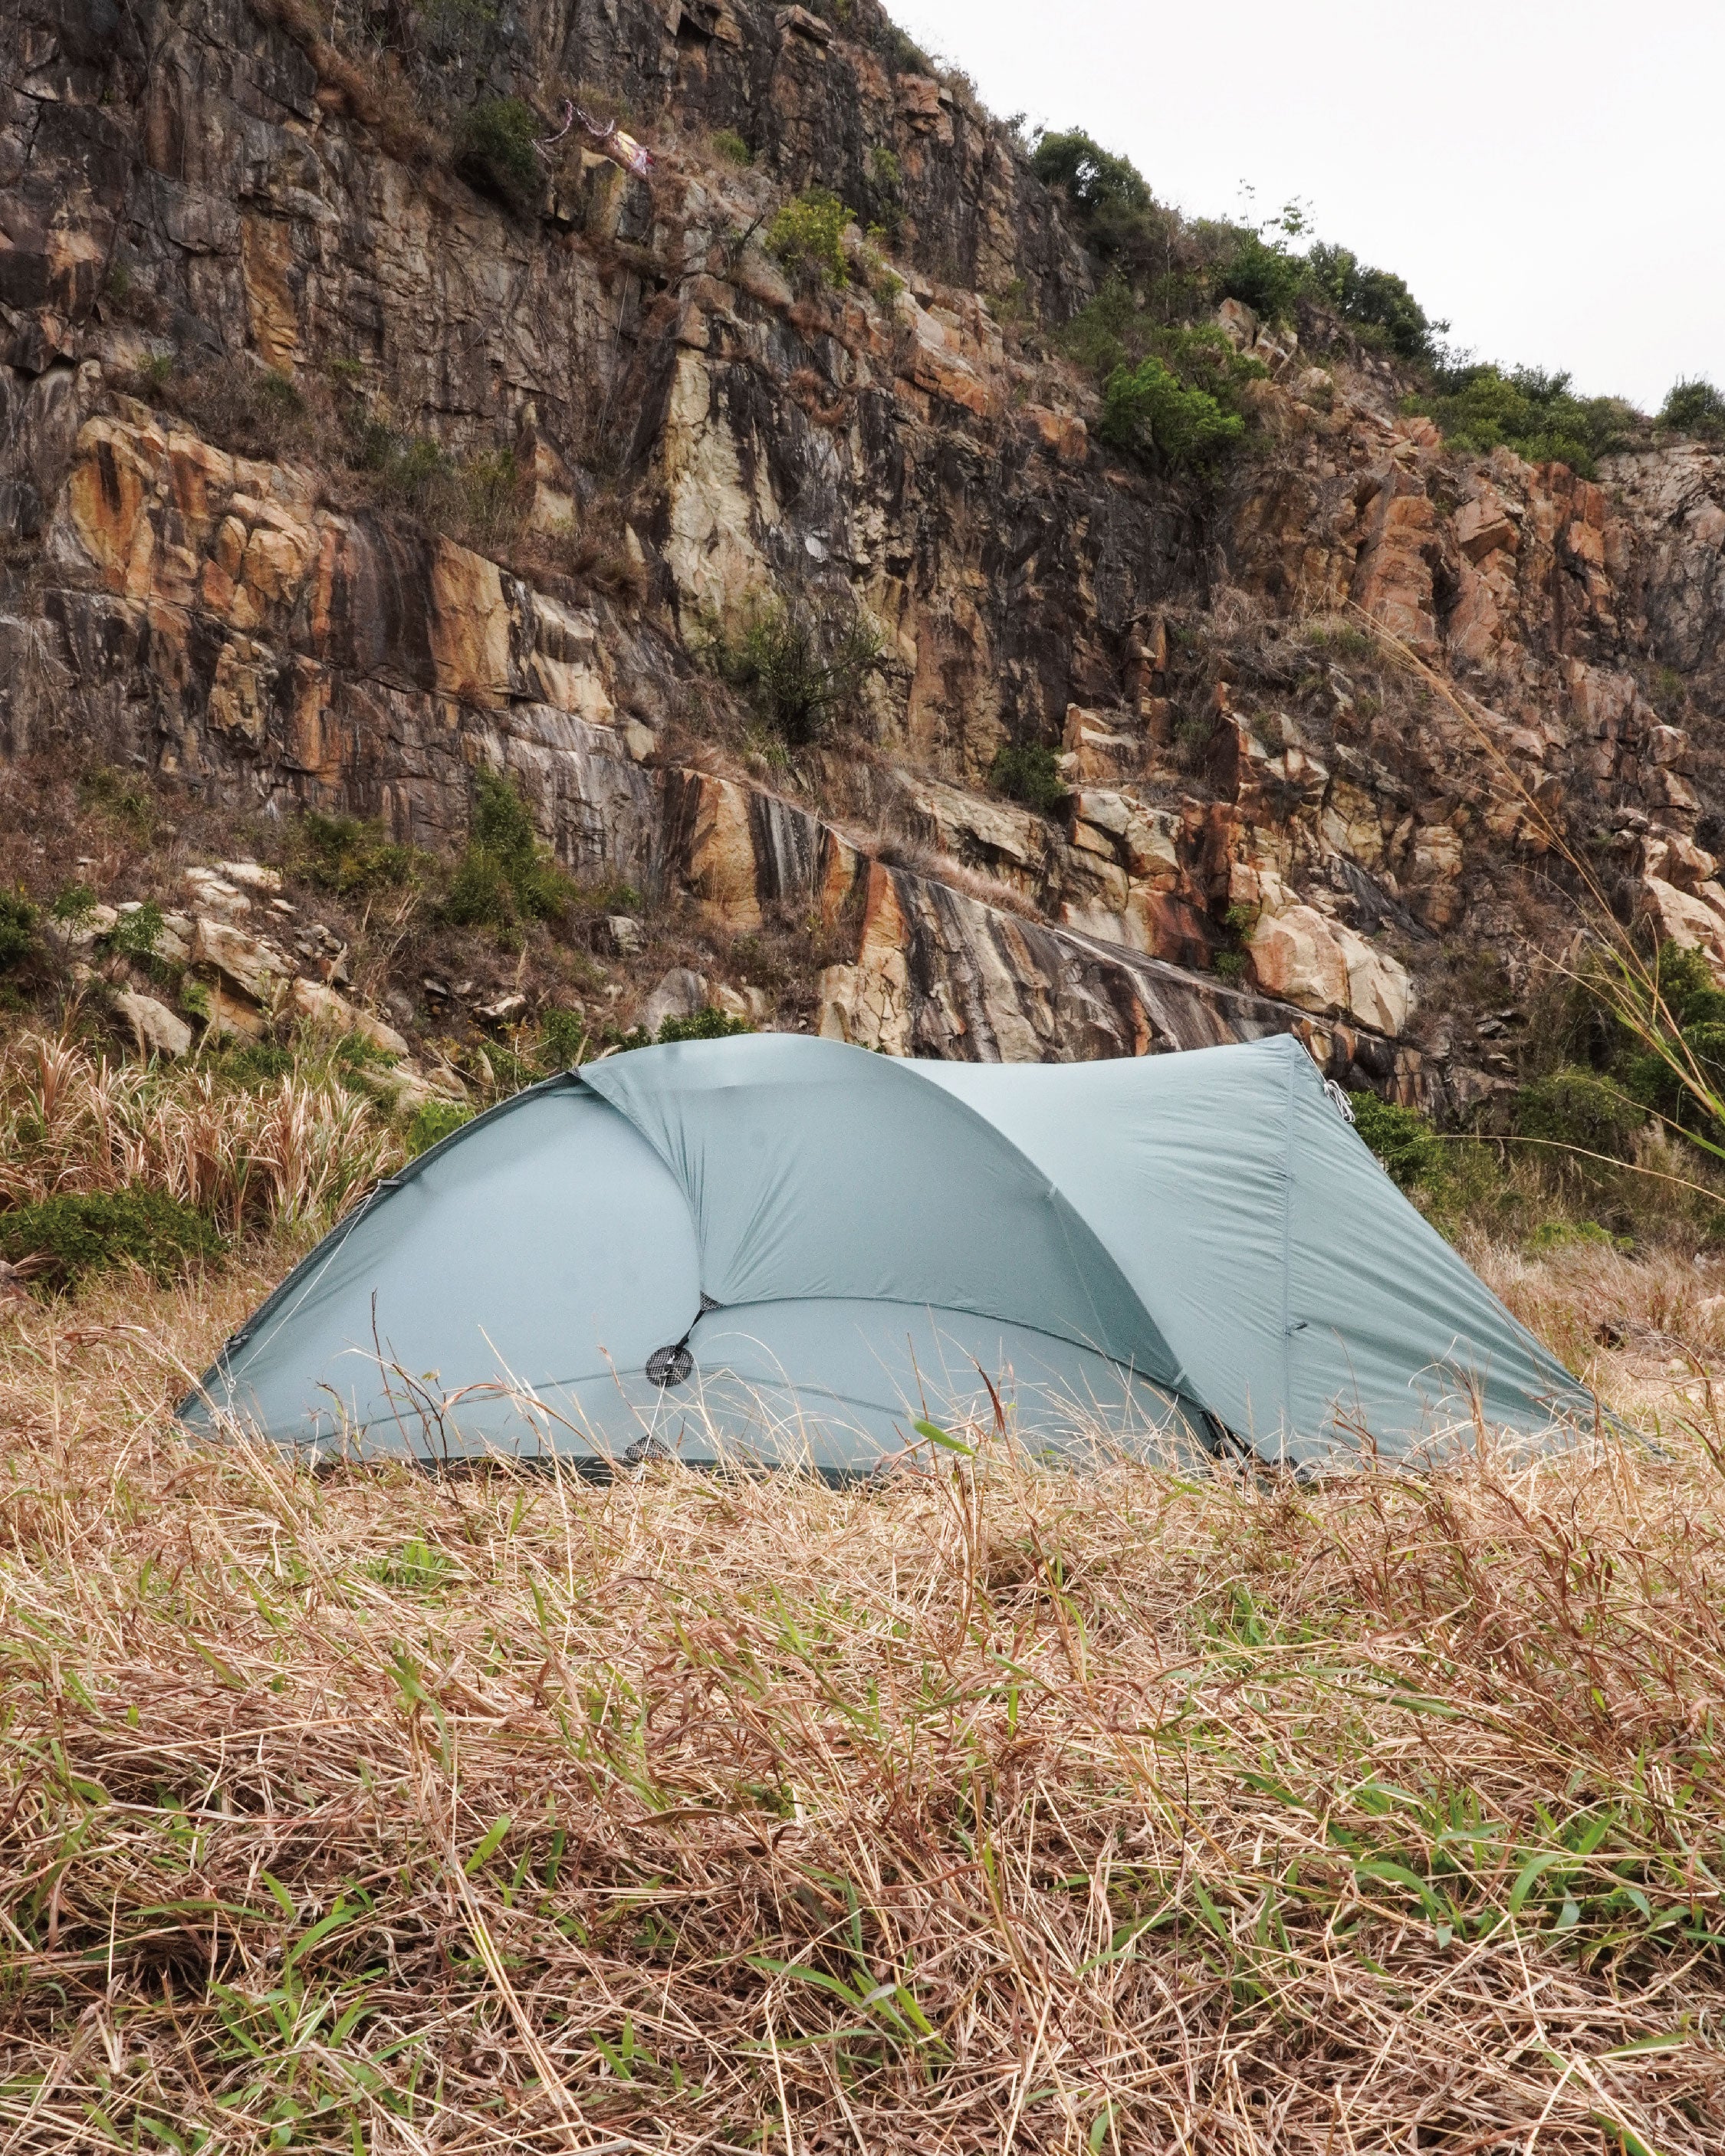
(797, 664)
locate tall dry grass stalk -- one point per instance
(72, 1122)
(993, 1809)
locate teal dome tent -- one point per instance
(791, 1250)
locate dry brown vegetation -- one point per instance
(72, 1121)
(996, 1808)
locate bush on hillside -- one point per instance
(1169, 392)
(1409, 1148)
(1029, 772)
(1096, 180)
(809, 233)
(17, 929)
(1694, 408)
(496, 152)
(707, 1024)
(1480, 408)
(351, 857)
(797, 664)
(504, 878)
(1694, 1014)
(1374, 300)
(433, 1121)
(71, 1235)
(1573, 1108)
(1146, 409)
(1263, 275)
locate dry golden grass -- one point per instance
(993, 1809)
(72, 1121)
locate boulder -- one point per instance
(154, 1027)
(252, 874)
(214, 893)
(250, 963)
(323, 1009)
(1686, 920)
(1379, 993)
(1296, 956)
(680, 993)
(1328, 968)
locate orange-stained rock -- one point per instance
(868, 1003)
(1392, 583)
(720, 853)
(470, 626)
(1064, 435)
(1295, 956)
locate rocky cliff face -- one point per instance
(1319, 729)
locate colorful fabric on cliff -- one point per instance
(790, 1251)
(610, 140)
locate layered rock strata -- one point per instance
(1252, 838)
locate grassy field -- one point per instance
(992, 1809)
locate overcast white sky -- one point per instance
(1546, 173)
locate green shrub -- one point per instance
(433, 1121)
(1694, 407)
(1375, 299)
(80, 1234)
(72, 906)
(885, 170)
(1029, 772)
(730, 146)
(809, 233)
(136, 935)
(1566, 1234)
(17, 930)
(708, 1023)
(257, 1062)
(1146, 409)
(1535, 413)
(1095, 180)
(505, 877)
(1571, 1107)
(1263, 275)
(1694, 1011)
(494, 150)
(352, 858)
(1171, 392)
(562, 1036)
(117, 795)
(1402, 1139)
(799, 666)
(1119, 218)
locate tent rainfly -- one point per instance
(791, 1250)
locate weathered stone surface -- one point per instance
(324, 1009)
(679, 994)
(154, 1027)
(271, 637)
(252, 964)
